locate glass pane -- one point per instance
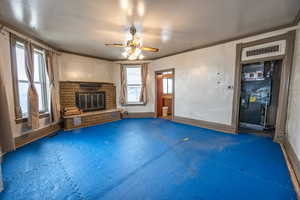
(20, 54)
(133, 93)
(38, 87)
(133, 75)
(23, 91)
(165, 85)
(170, 85)
(36, 63)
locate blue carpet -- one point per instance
(147, 159)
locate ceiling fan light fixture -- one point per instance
(141, 57)
(137, 52)
(125, 54)
(132, 57)
(133, 47)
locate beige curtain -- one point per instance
(13, 42)
(143, 95)
(50, 62)
(123, 91)
(6, 134)
(33, 101)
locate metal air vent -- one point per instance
(270, 49)
(261, 51)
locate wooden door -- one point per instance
(159, 94)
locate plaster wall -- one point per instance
(293, 119)
(80, 68)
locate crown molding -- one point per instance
(128, 62)
(27, 36)
(297, 19)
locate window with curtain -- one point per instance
(40, 78)
(133, 83)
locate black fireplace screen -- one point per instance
(90, 101)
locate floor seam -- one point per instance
(67, 177)
(108, 189)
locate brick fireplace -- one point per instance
(68, 91)
(97, 100)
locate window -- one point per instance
(167, 85)
(134, 83)
(22, 77)
(40, 78)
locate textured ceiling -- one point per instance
(84, 26)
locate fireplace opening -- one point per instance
(90, 101)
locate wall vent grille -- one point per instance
(270, 49)
(261, 51)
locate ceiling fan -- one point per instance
(133, 47)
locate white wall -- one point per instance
(79, 68)
(197, 93)
(293, 121)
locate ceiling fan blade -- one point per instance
(115, 45)
(149, 49)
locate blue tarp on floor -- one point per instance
(147, 159)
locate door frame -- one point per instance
(286, 69)
(173, 90)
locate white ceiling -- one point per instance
(84, 26)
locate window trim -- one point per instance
(25, 119)
(139, 103)
(19, 117)
(13, 42)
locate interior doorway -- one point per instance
(164, 81)
(259, 96)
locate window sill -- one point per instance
(134, 104)
(25, 119)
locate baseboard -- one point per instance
(36, 134)
(293, 163)
(205, 124)
(139, 115)
(293, 157)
